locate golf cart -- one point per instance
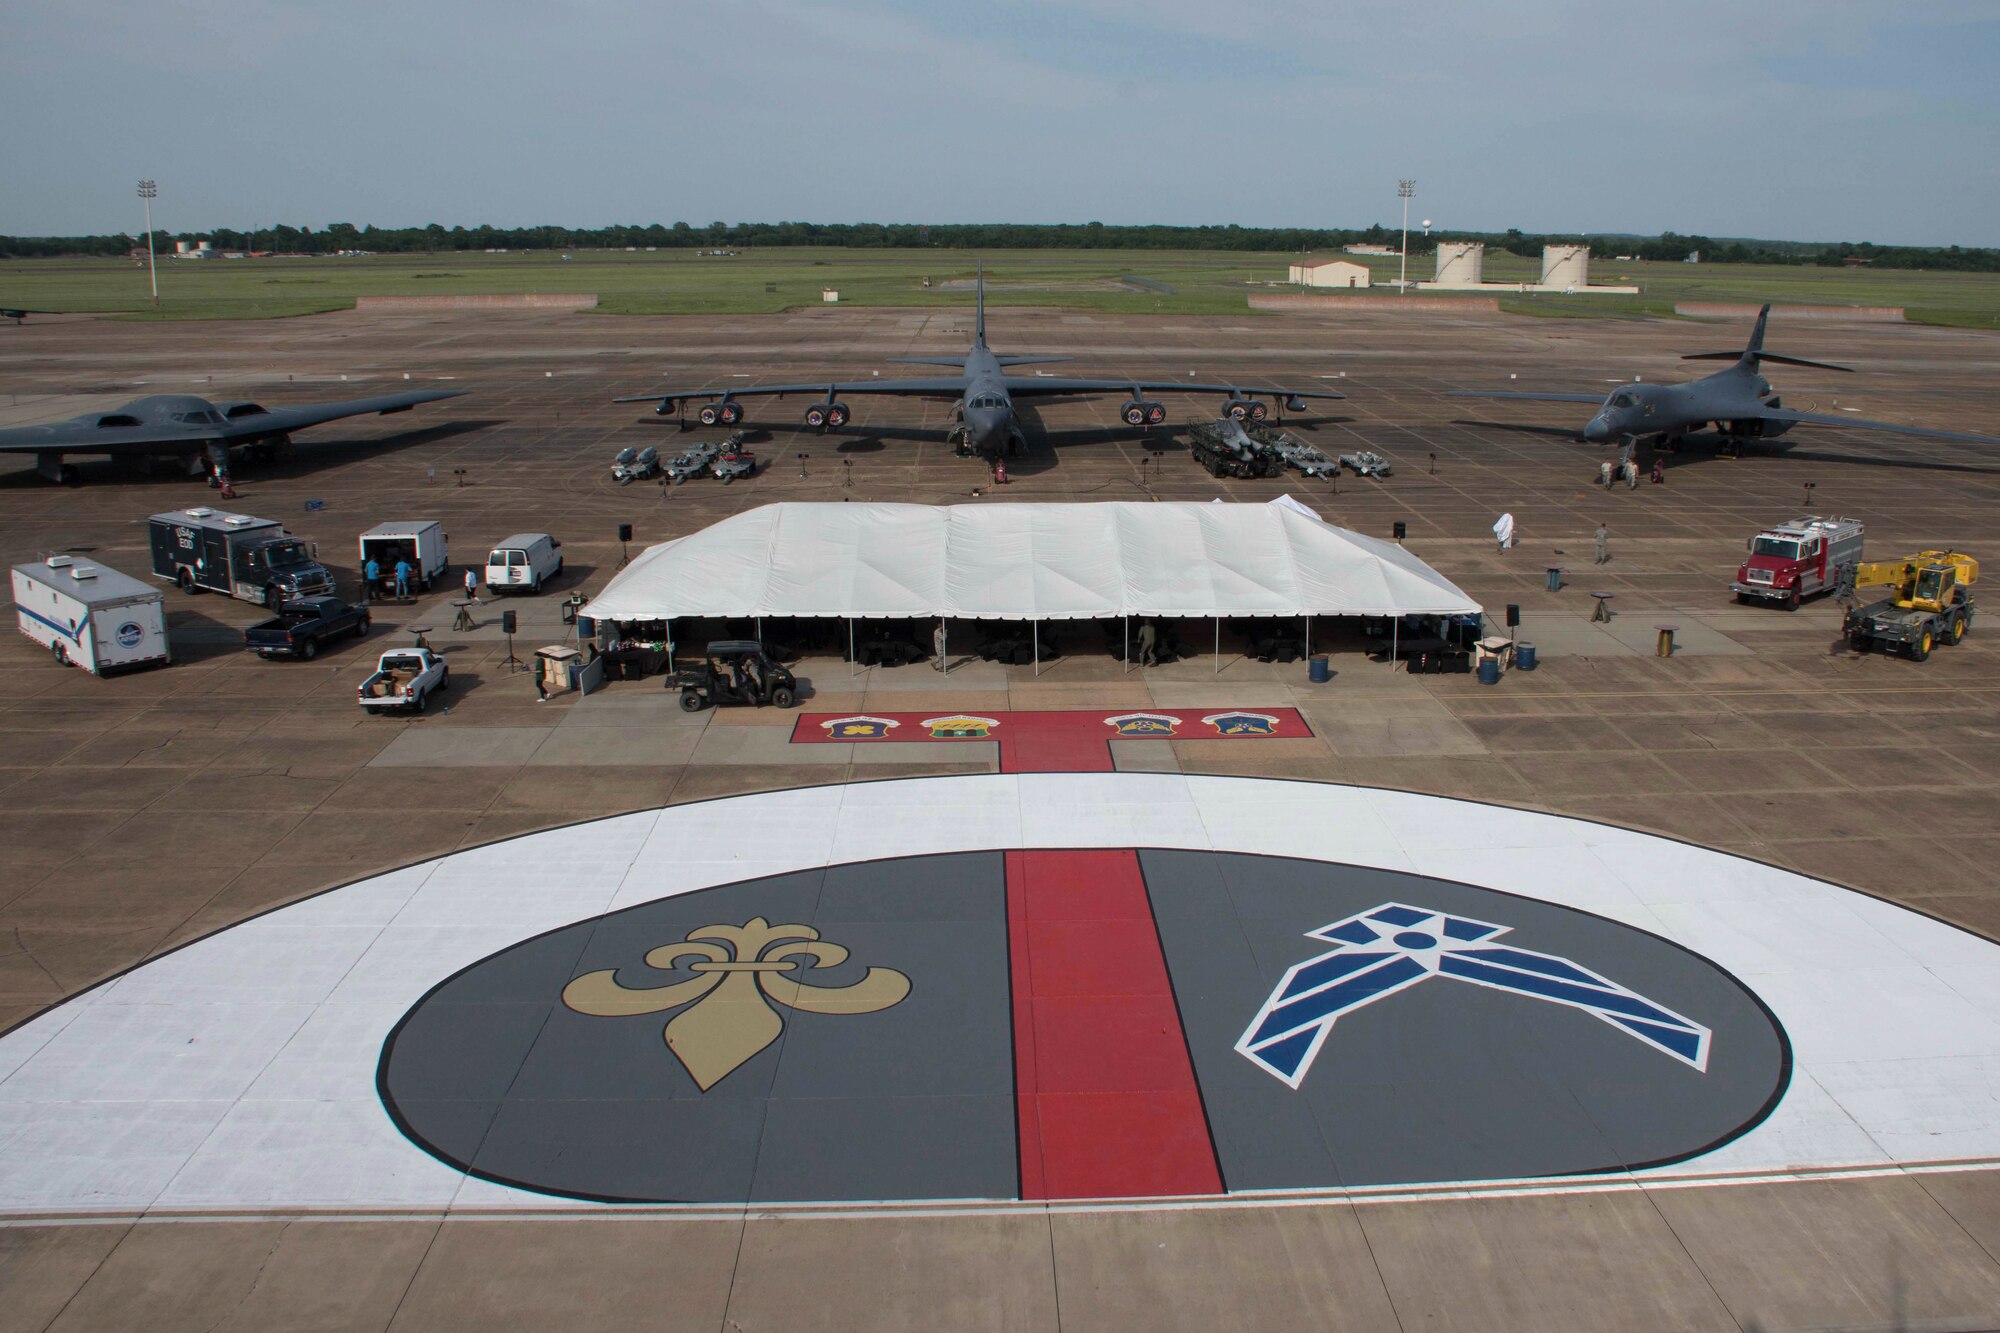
(732, 672)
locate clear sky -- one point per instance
(1793, 119)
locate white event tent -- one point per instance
(1030, 562)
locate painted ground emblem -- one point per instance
(1242, 724)
(1391, 948)
(743, 973)
(1143, 724)
(858, 728)
(960, 727)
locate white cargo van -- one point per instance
(90, 616)
(523, 562)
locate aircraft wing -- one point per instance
(1594, 399)
(1832, 419)
(102, 433)
(1033, 386)
(952, 385)
(251, 419)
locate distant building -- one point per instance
(1565, 266)
(194, 250)
(1329, 273)
(1460, 264)
(1364, 249)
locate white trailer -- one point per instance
(421, 541)
(90, 616)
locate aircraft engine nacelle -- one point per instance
(1245, 409)
(724, 413)
(826, 414)
(1141, 413)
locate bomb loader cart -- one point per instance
(1930, 603)
(1225, 450)
(733, 673)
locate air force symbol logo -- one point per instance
(1393, 947)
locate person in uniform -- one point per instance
(937, 647)
(1149, 644)
(1603, 538)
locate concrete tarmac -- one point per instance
(144, 811)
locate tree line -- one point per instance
(345, 236)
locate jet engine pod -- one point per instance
(1155, 413)
(709, 414)
(1258, 410)
(666, 407)
(816, 415)
(836, 414)
(1237, 409)
(1768, 429)
(731, 413)
(1134, 413)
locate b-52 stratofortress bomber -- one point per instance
(982, 394)
(202, 434)
(1738, 401)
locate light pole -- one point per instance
(149, 191)
(1404, 189)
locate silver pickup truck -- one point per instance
(404, 678)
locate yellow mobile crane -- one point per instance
(1930, 603)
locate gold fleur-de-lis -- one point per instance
(743, 970)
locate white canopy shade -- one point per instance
(1026, 562)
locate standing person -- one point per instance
(1631, 474)
(403, 572)
(1659, 471)
(471, 584)
(937, 647)
(371, 579)
(1603, 538)
(1149, 644)
(1604, 473)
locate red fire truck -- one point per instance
(1798, 559)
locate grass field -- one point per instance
(1129, 282)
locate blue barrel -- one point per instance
(1489, 672)
(1316, 671)
(1524, 657)
(1555, 578)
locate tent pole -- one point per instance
(1309, 637)
(1218, 645)
(1395, 628)
(670, 643)
(1128, 644)
(1036, 627)
(944, 633)
(850, 647)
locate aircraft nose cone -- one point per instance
(1599, 429)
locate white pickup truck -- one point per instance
(404, 678)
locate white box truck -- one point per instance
(90, 616)
(420, 541)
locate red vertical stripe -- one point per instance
(1108, 1104)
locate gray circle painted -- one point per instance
(523, 1070)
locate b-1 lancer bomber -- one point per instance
(202, 434)
(982, 394)
(1738, 401)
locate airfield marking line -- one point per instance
(1357, 1197)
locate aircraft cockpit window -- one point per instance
(1623, 398)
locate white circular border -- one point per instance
(239, 1072)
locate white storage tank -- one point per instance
(1460, 263)
(1565, 266)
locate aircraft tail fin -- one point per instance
(979, 307)
(1754, 353)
